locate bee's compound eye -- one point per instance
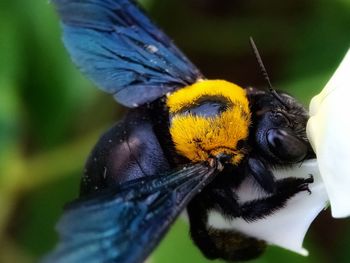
(286, 146)
(280, 119)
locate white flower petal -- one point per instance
(328, 130)
(286, 227)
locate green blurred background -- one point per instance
(51, 116)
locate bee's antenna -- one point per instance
(264, 72)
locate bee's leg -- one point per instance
(198, 216)
(262, 174)
(234, 246)
(217, 243)
(224, 199)
(285, 189)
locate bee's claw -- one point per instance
(310, 179)
(305, 185)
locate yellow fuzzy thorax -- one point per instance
(199, 138)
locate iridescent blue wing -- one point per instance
(125, 224)
(122, 51)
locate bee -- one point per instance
(186, 141)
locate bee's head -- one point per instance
(279, 128)
(210, 119)
(279, 123)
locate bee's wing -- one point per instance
(122, 51)
(125, 224)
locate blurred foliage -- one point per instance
(51, 116)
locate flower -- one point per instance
(328, 130)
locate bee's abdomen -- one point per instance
(129, 150)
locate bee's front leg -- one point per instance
(285, 189)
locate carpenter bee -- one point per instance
(185, 142)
